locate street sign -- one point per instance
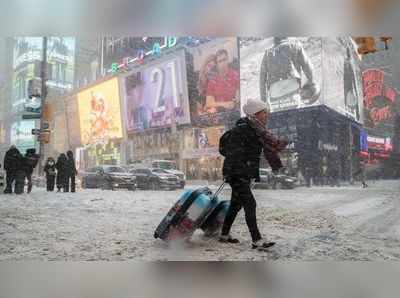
(45, 131)
(31, 116)
(35, 131)
(33, 110)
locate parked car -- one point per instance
(108, 177)
(155, 178)
(269, 180)
(170, 167)
(265, 179)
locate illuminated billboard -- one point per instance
(298, 72)
(379, 101)
(285, 72)
(156, 95)
(214, 82)
(100, 113)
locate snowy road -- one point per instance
(347, 223)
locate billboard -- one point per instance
(298, 72)
(100, 113)
(342, 88)
(214, 81)
(379, 101)
(21, 135)
(156, 95)
(202, 142)
(285, 72)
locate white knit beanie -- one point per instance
(254, 106)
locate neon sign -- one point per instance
(169, 42)
(375, 88)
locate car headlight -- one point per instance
(164, 178)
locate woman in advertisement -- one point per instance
(137, 111)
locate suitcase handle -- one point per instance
(217, 192)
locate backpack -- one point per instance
(224, 143)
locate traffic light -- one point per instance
(366, 45)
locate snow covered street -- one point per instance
(319, 223)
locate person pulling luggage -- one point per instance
(242, 147)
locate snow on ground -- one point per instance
(321, 223)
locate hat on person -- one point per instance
(253, 106)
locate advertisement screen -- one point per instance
(214, 82)
(285, 72)
(156, 96)
(61, 56)
(100, 113)
(342, 77)
(379, 101)
(201, 142)
(21, 135)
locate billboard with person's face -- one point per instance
(298, 72)
(285, 72)
(214, 82)
(156, 95)
(100, 113)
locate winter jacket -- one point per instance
(13, 160)
(61, 166)
(50, 170)
(30, 161)
(70, 167)
(243, 160)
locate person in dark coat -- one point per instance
(50, 170)
(71, 172)
(13, 166)
(244, 145)
(61, 166)
(30, 161)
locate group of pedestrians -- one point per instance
(19, 169)
(61, 173)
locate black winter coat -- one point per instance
(70, 167)
(13, 160)
(61, 167)
(244, 159)
(30, 161)
(50, 170)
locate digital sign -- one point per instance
(100, 113)
(156, 94)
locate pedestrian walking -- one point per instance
(13, 166)
(242, 147)
(61, 166)
(30, 161)
(50, 170)
(71, 172)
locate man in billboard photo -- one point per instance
(223, 88)
(281, 72)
